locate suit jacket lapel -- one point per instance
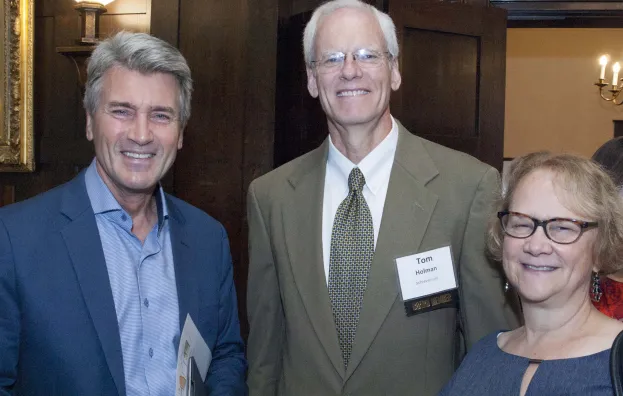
(185, 277)
(83, 243)
(302, 222)
(406, 213)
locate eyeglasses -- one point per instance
(160, 116)
(365, 58)
(559, 230)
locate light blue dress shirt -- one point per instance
(142, 278)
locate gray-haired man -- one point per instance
(98, 275)
(326, 312)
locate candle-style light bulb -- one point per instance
(615, 74)
(603, 61)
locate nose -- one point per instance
(350, 68)
(140, 131)
(538, 243)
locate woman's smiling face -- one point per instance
(537, 267)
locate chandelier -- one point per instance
(616, 86)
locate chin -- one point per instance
(139, 186)
(354, 119)
(535, 296)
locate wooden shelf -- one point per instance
(76, 50)
(79, 55)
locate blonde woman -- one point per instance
(560, 221)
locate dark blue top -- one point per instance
(488, 370)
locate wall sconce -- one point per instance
(90, 12)
(616, 87)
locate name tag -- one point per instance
(427, 281)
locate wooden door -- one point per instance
(452, 60)
(453, 64)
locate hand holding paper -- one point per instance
(191, 344)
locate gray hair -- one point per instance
(139, 52)
(387, 26)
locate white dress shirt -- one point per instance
(376, 168)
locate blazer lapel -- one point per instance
(83, 243)
(185, 278)
(302, 222)
(406, 213)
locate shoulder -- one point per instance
(484, 353)
(35, 209)
(487, 343)
(475, 375)
(450, 160)
(606, 331)
(274, 181)
(193, 217)
(454, 169)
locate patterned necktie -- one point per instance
(352, 250)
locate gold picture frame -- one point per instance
(16, 101)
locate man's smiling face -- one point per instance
(351, 94)
(135, 129)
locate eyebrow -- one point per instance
(129, 105)
(352, 51)
(121, 104)
(165, 109)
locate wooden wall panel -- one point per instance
(259, 120)
(231, 49)
(288, 8)
(301, 124)
(110, 24)
(7, 194)
(208, 169)
(165, 20)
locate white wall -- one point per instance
(551, 102)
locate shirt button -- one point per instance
(124, 217)
(151, 352)
(146, 303)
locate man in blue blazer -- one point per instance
(97, 276)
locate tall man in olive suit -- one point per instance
(325, 307)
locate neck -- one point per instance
(143, 210)
(617, 276)
(138, 205)
(565, 320)
(355, 142)
(141, 206)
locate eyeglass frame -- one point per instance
(382, 55)
(584, 225)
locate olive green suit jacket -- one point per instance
(436, 197)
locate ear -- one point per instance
(312, 83)
(180, 140)
(396, 79)
(89, 127)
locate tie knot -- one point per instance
(356, 180)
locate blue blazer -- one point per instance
(58, 326)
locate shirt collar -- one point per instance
(103, 201)
(372, 164)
